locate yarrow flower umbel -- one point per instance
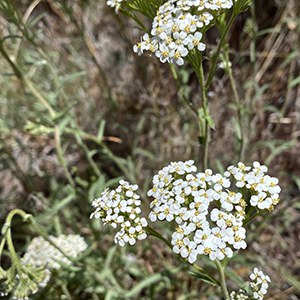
(209, 209)
(121, 208)
(178, 28)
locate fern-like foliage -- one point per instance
(146, 7)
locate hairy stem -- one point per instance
(153, 232)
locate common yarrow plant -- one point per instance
(207, 211)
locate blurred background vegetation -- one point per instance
(79, 110)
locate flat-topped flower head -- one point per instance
(187, 198)
(120, 208)
(207, 209)
(178, 28)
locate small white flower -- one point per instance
(194, 41)
(260, 283)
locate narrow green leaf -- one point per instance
(205, 278)
(143, 284)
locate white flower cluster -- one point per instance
(40, 253)
(178, 27)
(259, 284)
(116, 4)
(121, 207)
(264, 188)
(208, 215)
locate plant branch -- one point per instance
(18, 72)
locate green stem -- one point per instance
(120, 162)
(66, 291)
(251, 217)
(180, 90)
(10, 216)
(153, 232)
(204, 132)
(2, 247)
(60, 155)
(88, 156)
(216, 55)
(222, 279)
(239, 108)
(13, 255)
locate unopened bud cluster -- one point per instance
(120, 208)
(23, 281)
(209, 209)
(240, 295)
(40, 253)
(26, 276)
